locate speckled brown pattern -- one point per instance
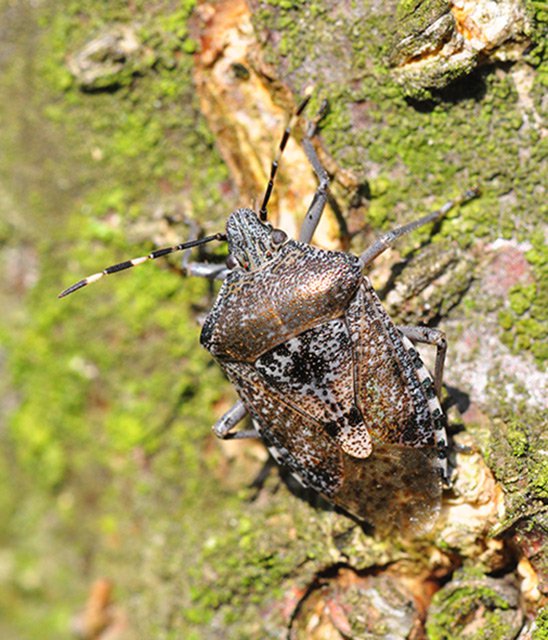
(299, 288)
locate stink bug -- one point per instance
(336, 390)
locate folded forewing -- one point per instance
(296, 440)
(389, 394)
(313, 373)
(397, 488)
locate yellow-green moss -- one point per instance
(541, 630)
(471, 595)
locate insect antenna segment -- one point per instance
(274, 168)
(127, 264)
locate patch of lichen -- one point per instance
(470, 596)
(537, 25)
(414, 34)
(252, 569)
(515, 454)
(541, 625)
(524, 319)
(414, 155)
(256, 563)
(245, 566)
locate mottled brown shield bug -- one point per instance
(336, 390)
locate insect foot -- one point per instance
(336, 390)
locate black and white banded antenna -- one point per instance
(281, 148)
(127, 264)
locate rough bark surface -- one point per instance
(126, 124)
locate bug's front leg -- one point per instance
(205, 270)
(202, 269)
(224, 425)
(435, 337)
(319, 200)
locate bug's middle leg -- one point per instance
(224, 425)
(387, 240)
(430, 336)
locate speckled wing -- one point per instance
(295, 439)
(394, 488)
(313, 372)
(399, 485)
(394, 402)
(256, 310)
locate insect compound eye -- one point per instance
(278, 237)
(231, 262)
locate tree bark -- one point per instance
(114, 397)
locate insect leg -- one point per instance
(205, 270)
(435, 337)
(200, 269)
(388, 239)
(432, 336)
(229, 420)
(317, 206)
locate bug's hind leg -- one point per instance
(432, 337)
(425, 335)
(224, 425)
(317, 206)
